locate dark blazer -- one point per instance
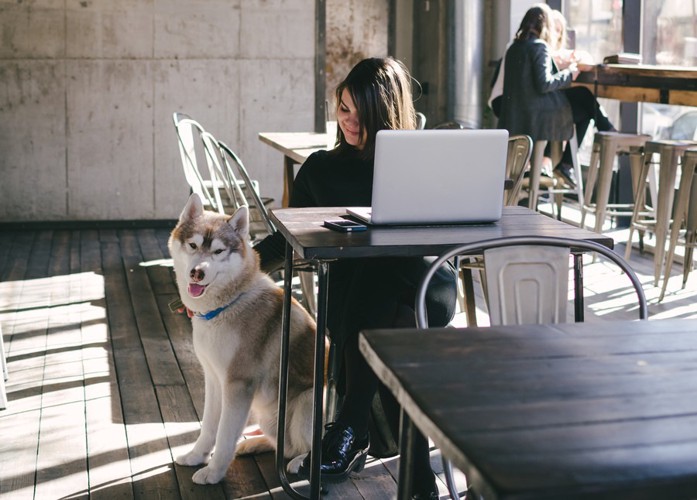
(532, 101)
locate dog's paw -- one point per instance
(294, 465)
(207, 475)
(254, 445)
(192, 458)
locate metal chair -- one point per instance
(450, 124)
(685, 219)
(527, 283)
(205, 183)
(519, 151)
(239, 188)
(259, 214)
(606, 146)
(420, 120)
(658, 218)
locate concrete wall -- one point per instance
(88, 88)
(356, 29)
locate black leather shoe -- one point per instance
(426, 496)
(566, 172)
(342, 453)
(425, 489)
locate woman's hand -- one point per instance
(573, 68)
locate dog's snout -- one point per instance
(197, 274)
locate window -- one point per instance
(668, 37)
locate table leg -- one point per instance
(318, 390)
(578, 288)
(322, 294)
(283, 377)
(406, 456)
(288, 178)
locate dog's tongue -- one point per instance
(196, 290)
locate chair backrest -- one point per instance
(420, 120)
(527, 284)
(520, 273)
(236, 187)
(229, 190)
(519, 151)
(204, 182)
(452, 124)
(249, 190)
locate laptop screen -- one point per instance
(439, 176)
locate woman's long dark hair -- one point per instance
(537, 23)
(381, 91)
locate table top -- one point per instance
(295, 145)
(302, 227)
(642, 83)
(601, 410)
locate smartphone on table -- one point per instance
(344, 225)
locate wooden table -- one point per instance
(642, 83)
(307, 238)
(581, 410)
(296, 147)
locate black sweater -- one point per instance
(326, 179)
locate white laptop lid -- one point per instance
(438, 176)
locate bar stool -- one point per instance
(607, 145)
(685, 213)
(658, 219)
(536, 172)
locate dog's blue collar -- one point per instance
(212, 314)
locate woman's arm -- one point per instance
(272, 248)
(543, 71)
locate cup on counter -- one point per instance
(331, 134)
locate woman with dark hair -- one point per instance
(533, 99)
(364, 293)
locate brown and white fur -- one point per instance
(239, 348)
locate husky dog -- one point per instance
(236, 317)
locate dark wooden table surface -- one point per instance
(582, 410)
(642, 83)
(302, 228)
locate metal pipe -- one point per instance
(467, 61)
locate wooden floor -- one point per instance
(104, 388)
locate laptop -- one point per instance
(442, 176)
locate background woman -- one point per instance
(364, 293)
(536, 91)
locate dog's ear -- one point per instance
(192, 209)
(240, 221)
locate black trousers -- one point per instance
(380, 293)
(584, 108)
